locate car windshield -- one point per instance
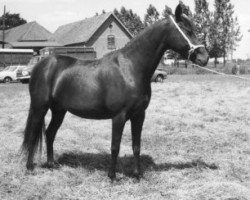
(6, 68)
(10, 68)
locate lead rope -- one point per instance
(220, 73)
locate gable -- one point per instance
(82, 31)
(104, 30)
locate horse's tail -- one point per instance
(33, 133)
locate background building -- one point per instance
(103, 32)
(29, 36)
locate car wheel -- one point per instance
(7, 80)
(159, 79)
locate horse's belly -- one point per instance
(89, 98)
(91, 105)
(92, 113)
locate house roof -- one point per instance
(34, 44)
(31, 31)
(82, 31)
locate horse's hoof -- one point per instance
(51, 165)
(112, 176)
(138, 176)
(30, 166)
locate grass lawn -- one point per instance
(195, 146)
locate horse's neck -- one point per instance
(147, 49)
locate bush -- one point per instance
(243, 69)
(228, 69)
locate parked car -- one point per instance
(159, 76)
(9, 73)
(23, 75)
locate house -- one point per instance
(103, 32)
(29, 36)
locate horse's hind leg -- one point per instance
(136, 126)
(55, 123)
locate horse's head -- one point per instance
(184, 40)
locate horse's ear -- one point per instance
(178, 13)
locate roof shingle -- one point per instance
(80, 31)
(31, 31)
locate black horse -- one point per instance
(115, 87)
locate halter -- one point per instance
(192, 47)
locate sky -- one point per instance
(53, 13)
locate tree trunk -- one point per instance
(224, 60)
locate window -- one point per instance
(12, 68)
(111, 42)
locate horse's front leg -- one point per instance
(118, 123)
(136, 128)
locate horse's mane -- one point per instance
(142, 34)
(134, 42)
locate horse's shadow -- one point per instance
(101, 161)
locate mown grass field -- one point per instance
(195, 146)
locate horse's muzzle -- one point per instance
(200, 57)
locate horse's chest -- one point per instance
(140, 103)
(128, 102)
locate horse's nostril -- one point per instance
(201, 62)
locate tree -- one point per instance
(151, 16)
(130, 20)
(11, 20)
(215, 50)
(227, 29)
(202, 21)
(235, 35)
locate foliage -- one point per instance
(226, 29)
(202, 20)
(12, 20)
(130, 20)
(151, 16)
(206, 29)
(215, 49)
(235, 35)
